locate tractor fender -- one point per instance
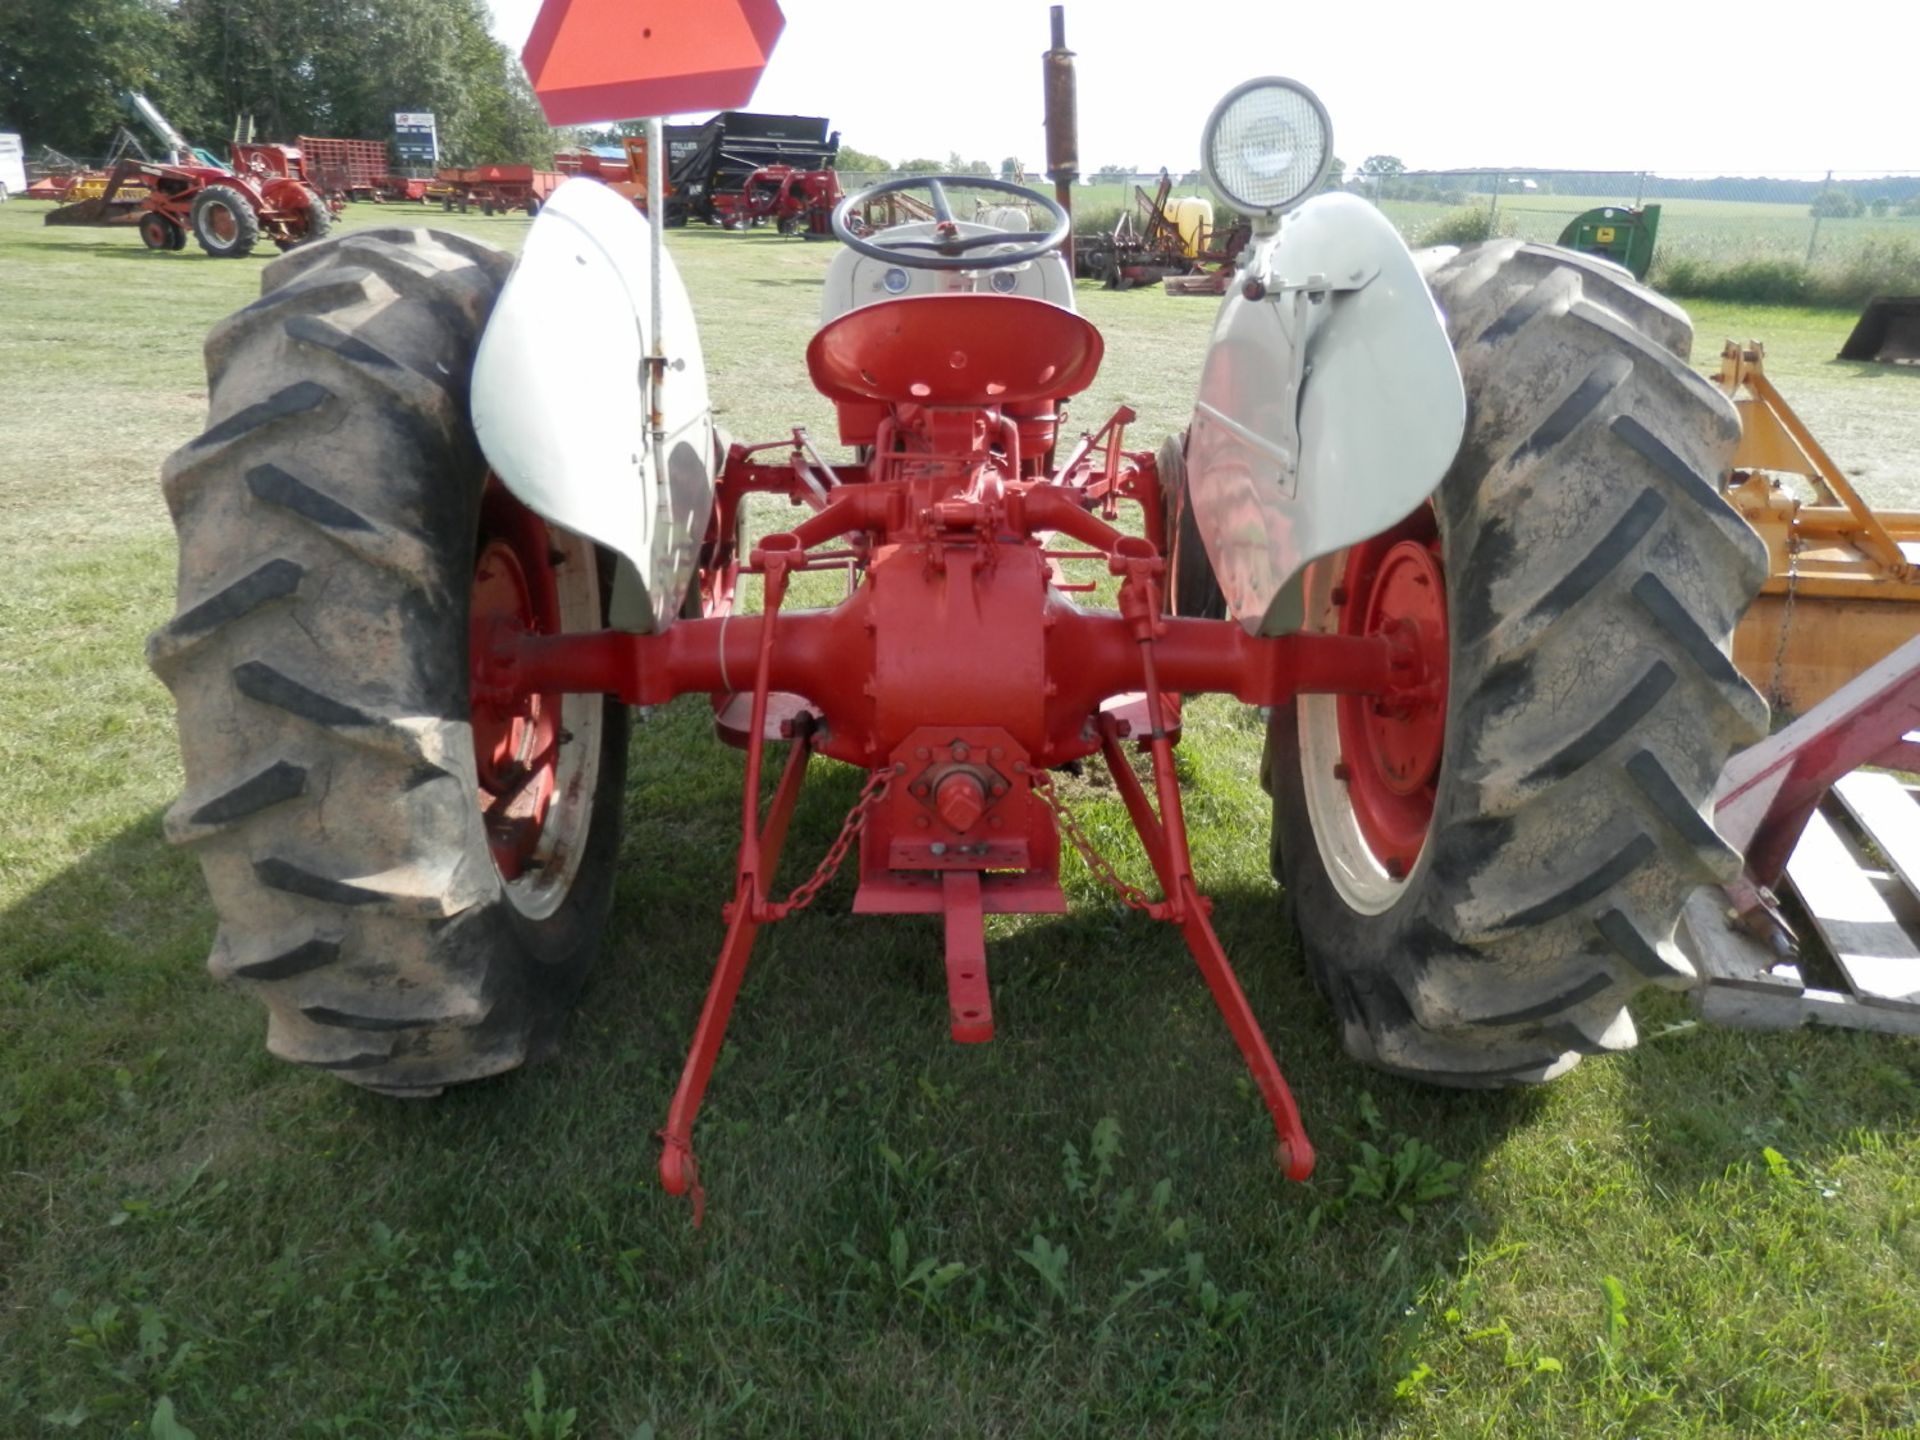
(1330, 404)
(561, 391)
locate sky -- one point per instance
(1767, 87)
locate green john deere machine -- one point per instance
(1622, 235)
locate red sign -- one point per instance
(595, 60)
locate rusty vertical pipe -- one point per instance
(1063, 130)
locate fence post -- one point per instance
(1825, 185)
(1640, 191)
(1493, 204)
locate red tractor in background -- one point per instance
(265, 191)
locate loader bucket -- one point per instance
(1888, 331)
(97, 211)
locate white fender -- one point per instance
(560, 391)
(1329, 407)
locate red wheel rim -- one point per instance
(1393, 585)
(516, 744)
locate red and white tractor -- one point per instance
(265, 192)
(1450, 520)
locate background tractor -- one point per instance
(1451, 521)
(264, 192)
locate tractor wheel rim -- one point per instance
(536, 758)
(1371, 772)
(221, 222)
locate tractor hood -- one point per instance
(1330, 404)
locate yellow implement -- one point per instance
(1844, 591)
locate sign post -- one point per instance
(415, 139)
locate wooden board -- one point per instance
(1889, 813)
(1743, 984)
(1879, 958)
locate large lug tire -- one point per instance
(316, 226)
(336, 531)
(1592, 578)
(225, 222)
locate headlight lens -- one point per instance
(1267, 144)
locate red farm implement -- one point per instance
(497, 189)
(347, 169)
(610, 169)
(1449, 525)
(797, 202)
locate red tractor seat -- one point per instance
(958, 350)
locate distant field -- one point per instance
(1718, 230)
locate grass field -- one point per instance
(1072, 1231)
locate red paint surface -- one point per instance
(593, 60)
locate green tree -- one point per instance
(64, 63)
(1836, 203)
(1383, 167)
(920, 167)
(343, 67)
(856, 162)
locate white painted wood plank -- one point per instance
(1889, 812)
(1876, 954)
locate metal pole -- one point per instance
(1493, 205)
(1640, 191)
(657, 352)
(1825, 185)
(1063, 140)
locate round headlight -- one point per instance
(1267, 144)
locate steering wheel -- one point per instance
(951, 251)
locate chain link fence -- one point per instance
(1814, 218)
(1824, 220)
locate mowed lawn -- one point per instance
(1076, 1230)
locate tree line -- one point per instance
(298, 67)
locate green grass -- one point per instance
(1075, 1230)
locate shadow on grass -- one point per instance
(1079, 1222)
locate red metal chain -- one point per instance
(1131, 895)
(870, 795)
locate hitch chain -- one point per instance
(1132, 896)
(871, 795)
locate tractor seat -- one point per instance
(959, 350)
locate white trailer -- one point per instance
(13, 165)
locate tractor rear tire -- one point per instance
(1592, 578)
(330, 519)
(225, 222)
(318, 224)
(1192, 588)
